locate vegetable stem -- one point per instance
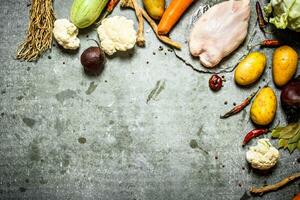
(139, 14)
(165, 39)
(96, 42)
(276, 186)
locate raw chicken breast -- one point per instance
(220, 31)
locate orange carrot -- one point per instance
(172, 15)
(297, 197)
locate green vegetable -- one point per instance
(85, 12)
(295, 138)
(292, 147)
(289, 136)
(276, 132)
(282, 143)
(284, 14)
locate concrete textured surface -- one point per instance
(64, 135)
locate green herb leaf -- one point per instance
(289, 131)
(282, 143)
(295, 138)
(276, 132)
(289, 136)
(292, 147)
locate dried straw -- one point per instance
(39, 34)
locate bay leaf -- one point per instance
(295, 138)
(282, 143)
(292, 147)
(289, 131)
(276, 132)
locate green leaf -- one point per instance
(289, 131)
(292, 147)
(295, 138)
(282, 143)
(298, 145)
(276, 132)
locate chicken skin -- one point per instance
(220, 31)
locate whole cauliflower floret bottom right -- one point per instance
(263, 156)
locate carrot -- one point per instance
(297, 197)
(172, 15)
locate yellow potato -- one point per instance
(264, 107)
(285, 62)
(250, 68)
(155, 8)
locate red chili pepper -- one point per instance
(260, 17)
(110, 7)
(240, 107)
(254, 133)
(215, 82)
(270, 43)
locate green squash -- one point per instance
(85, 12)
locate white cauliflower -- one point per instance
(116, 33)
(263, 156)
(65, 34)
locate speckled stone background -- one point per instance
(64, 135)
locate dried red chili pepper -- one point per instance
(215, 82)
(254, 133)
(270, 43)
(267, 43)
(260, 17)
(240, 107)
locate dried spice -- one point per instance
(39, 34)
(240, 107)
(289, 136)
(254, 133)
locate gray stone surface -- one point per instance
(64, 135)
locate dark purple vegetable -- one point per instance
(93, 60)
(215, 82)
(290, 100)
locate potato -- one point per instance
(155, 8)
(264, 107)
(250, 68)
(285, 62)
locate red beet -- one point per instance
(93, 60)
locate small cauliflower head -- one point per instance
(65, 33)
(263, 156)
(116, 34)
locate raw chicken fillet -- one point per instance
(220, 31)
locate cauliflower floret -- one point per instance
(262, 156)
(116, 33)
(65, 34)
